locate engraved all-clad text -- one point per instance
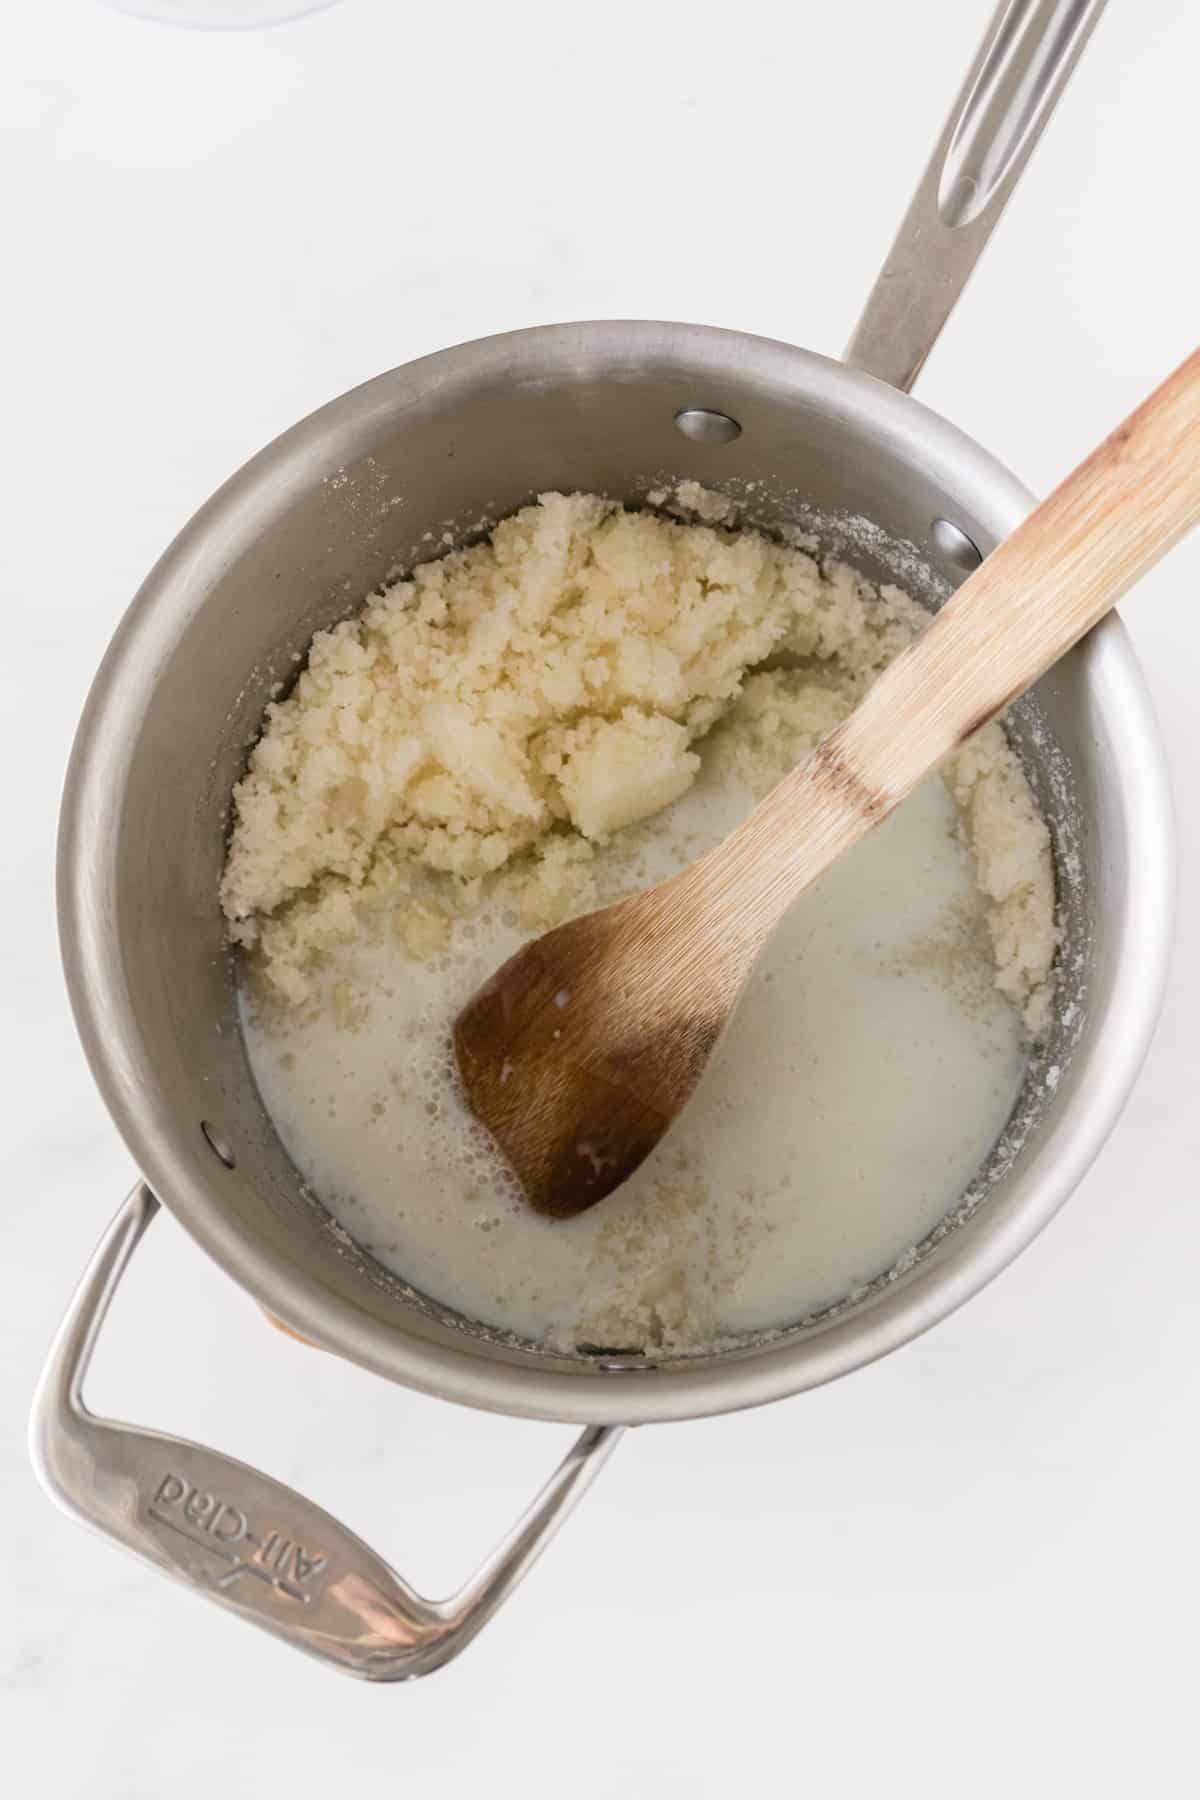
(223, 1530)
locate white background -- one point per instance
(970, 1570)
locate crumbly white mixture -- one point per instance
(511, 706)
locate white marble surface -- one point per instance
(970, 1569)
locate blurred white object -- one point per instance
(219, 15)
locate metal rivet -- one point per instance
(957, 548)
(217, 1145)
(705, 427)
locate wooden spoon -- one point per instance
(578, 1054)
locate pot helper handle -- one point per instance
(1023, 65)
(248, 1542)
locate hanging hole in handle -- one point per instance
(706, 427)
(217, 1145)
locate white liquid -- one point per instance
(862, 1083)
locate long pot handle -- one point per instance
(1023, 65)
(248, 1542)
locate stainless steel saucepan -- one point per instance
(288, 545)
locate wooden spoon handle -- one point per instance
(1034, 596)
(1038, 593)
